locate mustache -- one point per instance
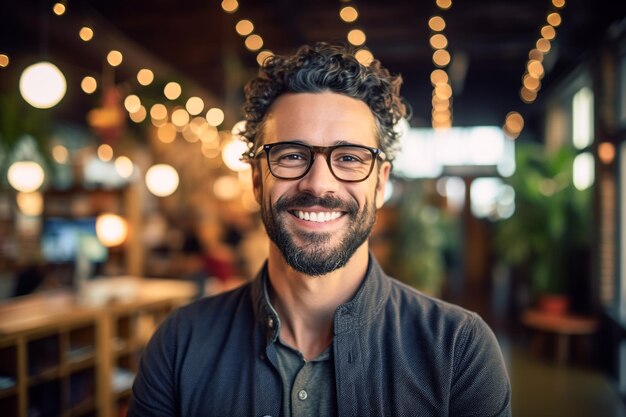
(308, 200)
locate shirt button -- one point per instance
(303, 395)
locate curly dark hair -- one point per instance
(320, 68)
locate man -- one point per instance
(322, 331)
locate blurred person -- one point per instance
(322, 330)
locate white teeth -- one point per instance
(320, 217)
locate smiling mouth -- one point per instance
(318, 217)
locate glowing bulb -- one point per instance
(215, 116)
(554, 19)
(172, 90)
(166, 133)
(606, 152)
(105, 152)
(262, 56)
(30, 204)
(438, 76)
(111, 229)
(42, 85)
(348, 14)
(558, 3)
(548, 32)
(438, 41)
(139, 116)
(86, 33)
(194, 105)
(180, 117)
(254, 42)
(158, 112)
(444, 4)
(230, 6)
(364, 57)
(514, 122)
(231, 155)
(443, 91)
(244, 27)
(124, 166)
(162, 180)
(25, 176)
(115, 58)
(60, 154)
(535, 69)
(89, 85)
(543, 45)
(132, 103)
(58, 9)
(356, 37)
(441, 57)
(436, 23)
(4, 60)
(145, 76)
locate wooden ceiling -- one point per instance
(489, 41)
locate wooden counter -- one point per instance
(60, 351)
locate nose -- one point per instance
(319, 180)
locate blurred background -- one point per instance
(122, 195)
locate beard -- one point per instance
(316, 256)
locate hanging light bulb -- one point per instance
(42, 85)
(111, 229)
(25, 176)
(162, 180)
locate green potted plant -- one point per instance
(550, 223)
(417, 242)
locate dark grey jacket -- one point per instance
(396, 353)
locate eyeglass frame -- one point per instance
(377, 153)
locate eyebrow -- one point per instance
(338, 142)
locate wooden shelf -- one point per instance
(63, 351)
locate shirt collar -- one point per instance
(362, 309)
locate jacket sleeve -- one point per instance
(154, 389)
(480, 386)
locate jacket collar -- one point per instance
(362, 309)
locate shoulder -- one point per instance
(216, 308)
(411, 301)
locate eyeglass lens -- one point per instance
(349, 163)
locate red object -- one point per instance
(555, 305)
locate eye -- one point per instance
(289, 155)
(351, 156)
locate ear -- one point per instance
(257, 184)
(383, 177)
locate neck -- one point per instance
(306, 304)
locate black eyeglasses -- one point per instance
(293, 160)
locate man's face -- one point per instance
(318, 222)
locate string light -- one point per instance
(230, 6)
(348, 14)
(115, 58)
(172, 90)
(262, 56)
(4, 60)
(244, 27)
(59, 8)
(535, 71)
(356, 37)
(145, 76)
(89, 85)
(254, 42)
(364, 56)
(86, 33)
(441, 115)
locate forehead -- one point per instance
(320, 119)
